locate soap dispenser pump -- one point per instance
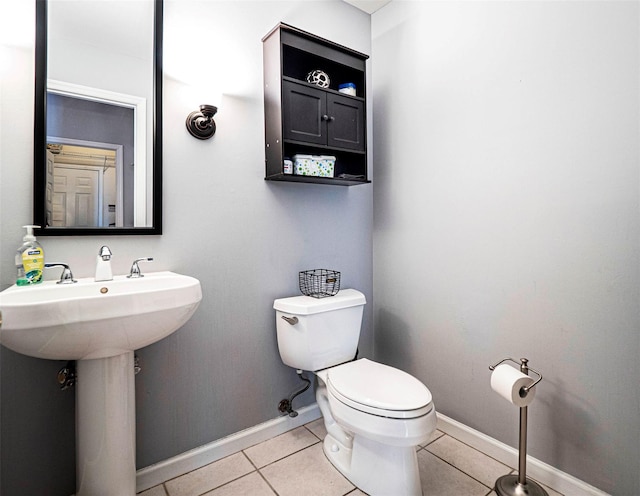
(29, 260)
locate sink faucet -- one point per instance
(103, 265)
(66, 277)
(134, 273)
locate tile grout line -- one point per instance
(317, 437)
(261, 474)
(476, 449)
(226, 483)
(287, 456)
(461, 471)
(458, 468)
(268, 483)
(250, 460)
(255, 469)
(433, 440)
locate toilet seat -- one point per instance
(378, 389)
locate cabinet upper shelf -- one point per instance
(328, 90)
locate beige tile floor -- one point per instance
(293, 464)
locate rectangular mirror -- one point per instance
(98, 117)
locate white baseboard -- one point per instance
(537, 470)
(199, 457)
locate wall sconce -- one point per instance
(200, 123)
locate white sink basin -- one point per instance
(89, 319)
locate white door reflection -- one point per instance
(86, 187)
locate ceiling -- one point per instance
(369, 6)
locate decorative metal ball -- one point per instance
(319, 78)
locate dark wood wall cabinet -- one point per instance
(317, 118)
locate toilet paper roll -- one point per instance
(508, 382)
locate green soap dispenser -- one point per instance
(29, 260)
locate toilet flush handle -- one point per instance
(292, 320)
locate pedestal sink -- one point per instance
(99, 324)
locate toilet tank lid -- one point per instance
(307, 305)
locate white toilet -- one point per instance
(375, 415)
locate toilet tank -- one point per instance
(326, 332)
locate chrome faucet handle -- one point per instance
(105, 253)
(134, 273)
(66, 277)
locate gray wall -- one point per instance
(244, 238)
(506, 217)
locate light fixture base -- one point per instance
(200, 123)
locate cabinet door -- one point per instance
(345, 127)
(304, 113)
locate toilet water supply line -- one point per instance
(286, 405)
(509, 485)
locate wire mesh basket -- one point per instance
(319, 283)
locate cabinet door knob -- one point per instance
(332, 118)
(325, 117)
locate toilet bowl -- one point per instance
(382, 414)
(375, 415)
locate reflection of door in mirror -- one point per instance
(81, 116)
(86, 184)
(75, 197)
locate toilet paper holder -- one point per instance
(518, 484)
(524, 368)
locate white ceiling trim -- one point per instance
(369, 6)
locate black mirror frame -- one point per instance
(40, 135)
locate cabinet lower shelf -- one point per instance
(337, 181)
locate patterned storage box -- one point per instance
(314, 165)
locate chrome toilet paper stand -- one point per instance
(512, 484)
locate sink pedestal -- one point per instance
(105, 427)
